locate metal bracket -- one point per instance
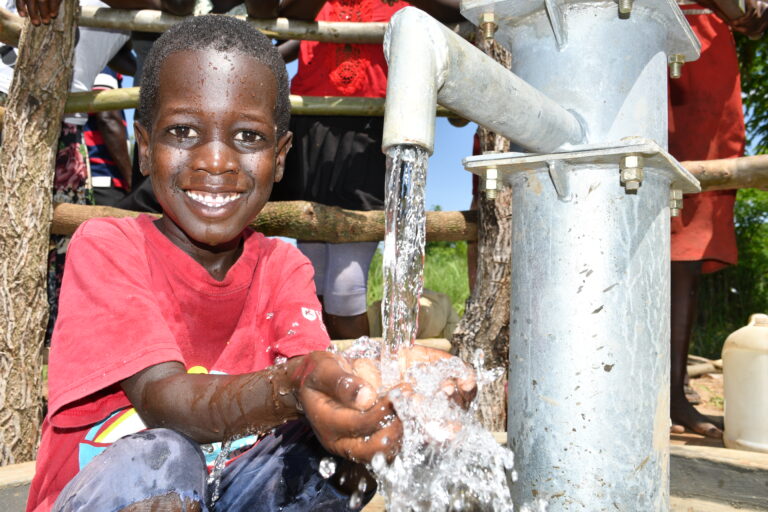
(558, 173)
(599, 155)
(557, 20)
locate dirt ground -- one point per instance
(710, 387)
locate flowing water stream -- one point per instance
(447, 460)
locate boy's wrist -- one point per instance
(286, 384)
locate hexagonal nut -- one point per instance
(676, 59)
(625, 6)
(488, 17)
(676, 194)
(632, 174)
(674, 212)
(631, 161)
(632, 185)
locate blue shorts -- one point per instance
(278, 473)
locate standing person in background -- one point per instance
(338, 161)
(106, 137)
(706, 121)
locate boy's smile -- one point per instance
(212, 151)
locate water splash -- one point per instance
(447, 460)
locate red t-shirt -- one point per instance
(131, 299)
(339, 69)
(706, 121)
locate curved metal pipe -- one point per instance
(428, 63)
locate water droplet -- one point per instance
(295, 324)
(270, 316)
(378, 462)
(362, 485)
(291, 332)
(355, 500)
(327, 467)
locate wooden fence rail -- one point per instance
(147, 20)
(300, 219)
(98, 101)
(312, 221)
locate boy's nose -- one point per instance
(216, 157)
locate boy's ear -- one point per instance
(283, 146)
(142, 143)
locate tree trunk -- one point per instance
(485, 324)
(33, 124)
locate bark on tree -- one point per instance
(32, 127)
(485, 325)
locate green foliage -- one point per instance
(728, 297)
(753, 60)
(445, 271)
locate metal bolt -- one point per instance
(676, 62)
(491, 182)
(625, 7)
(675, 202)
(488, 24)
(631, 171)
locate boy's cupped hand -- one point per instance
(349, 411)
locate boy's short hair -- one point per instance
(219, 33)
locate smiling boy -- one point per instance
(175, 325)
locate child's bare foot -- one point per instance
(684, 415)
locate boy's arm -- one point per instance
(342, 408)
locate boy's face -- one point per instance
(213, 152)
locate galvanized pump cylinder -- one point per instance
(589, 342)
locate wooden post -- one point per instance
(32, 127)
(485, 325)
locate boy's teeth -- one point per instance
(212, 199)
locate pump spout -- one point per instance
(430, 64)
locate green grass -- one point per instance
(727, 298)
(445, 271)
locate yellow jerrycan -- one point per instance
(745, 377)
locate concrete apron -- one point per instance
(703, 479)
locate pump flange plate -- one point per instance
(680, 37)
(599, 155)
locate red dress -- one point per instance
(341, 69)
(706, 121)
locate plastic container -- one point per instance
(745, 377)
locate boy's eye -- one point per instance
(248, 136)
(182, 132)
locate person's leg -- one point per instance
(345, 299)
(157, 469)
(685, 281)
(317, 254)
(282, 473)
